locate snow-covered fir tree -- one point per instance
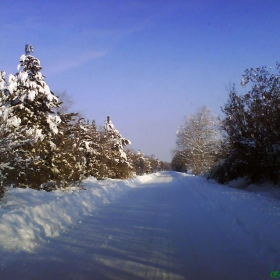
(43, 146)
(88, 141)
(30, 124)
(5, 153)
(113, 152)
(154, 164)
(140, 163)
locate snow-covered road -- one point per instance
(173, 226)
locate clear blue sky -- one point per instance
(147, 64)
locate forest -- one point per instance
(44, 146)
(244, 142)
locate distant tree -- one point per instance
(113, 152)
(140, 163)
(198, 140)
(148, 166)
(145, 164)
(164, 166)
(155, 163)
(178, 162)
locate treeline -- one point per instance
(45, 147)
(245, 142)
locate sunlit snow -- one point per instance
(189, 228)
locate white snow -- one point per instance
(14, 121)
(12, 83)
(53, 122)
(2, 80)
(35, 133)
(31, 95)
(22, 58)
(223, 228)
(28, 216)
(23, 76)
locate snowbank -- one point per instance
(28, 216)
(239, 183)
(265, 189)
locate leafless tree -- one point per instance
(198, 140)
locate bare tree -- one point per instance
(198, 140)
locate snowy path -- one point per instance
(173, 227)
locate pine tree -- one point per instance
(30, 125)
(140, 163)
(88, 141)
(113, 152)
(155, 163)
(5, 126)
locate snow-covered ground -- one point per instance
(165, 225)
(28, 216)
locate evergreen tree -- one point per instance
(140, 163)
(154, 163)
(5, 127)
(113, 152)
(30, 125)
(88, 141)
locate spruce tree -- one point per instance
(113, 152)
(87, 141)
(140, 163)
(31, 125)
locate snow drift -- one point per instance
(28, 216)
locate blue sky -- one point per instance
(147, 64)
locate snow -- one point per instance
(52, 145)
(23, 76)
(2, 80)
(12, 83)
(239, 183)
(200, 228)
(53, 122)
(22, 58)
(35, 133)
(29, 216)
(31, 95)
(14, 121)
